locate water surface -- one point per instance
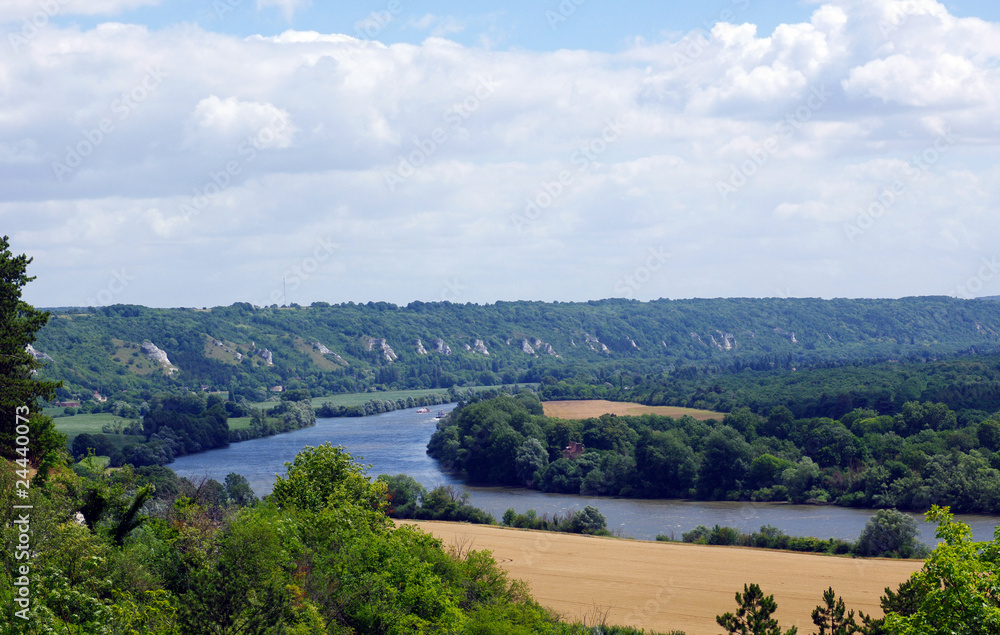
(396, 442)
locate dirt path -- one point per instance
(665, 586)
(584, 409)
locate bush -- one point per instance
(98, 443)
(697, 535)
(889, 533)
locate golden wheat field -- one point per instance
(584, 409)
(665, 586)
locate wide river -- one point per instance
(396, 442)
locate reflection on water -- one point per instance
(396, 442)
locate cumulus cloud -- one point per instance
(227, 120)
(760, 161)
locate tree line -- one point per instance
(919, 456)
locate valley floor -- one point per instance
(666, 586)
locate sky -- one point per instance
(204, 152)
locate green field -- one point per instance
(92, 424)
(359, 398)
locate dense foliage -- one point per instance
(967, 383)
(21, 389)
(611, 344)
(917, 457)
(143, 551)
(955, 593)
(887, 534)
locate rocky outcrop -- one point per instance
(596, 345)
(265, 355)
(728, 341)
(526, 347)
(480, 347)
(634, 345)
(38, 355)
(697, 338)
(387, 352)
(441, 347)
(155, 354)
(545, 347)
(783, 332)
(420, 348)
(323, 350)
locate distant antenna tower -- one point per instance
(284, 297)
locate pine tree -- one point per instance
(754, 615)
(20, 388)
(830, 618)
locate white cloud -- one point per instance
(230, 120)
(424, 160)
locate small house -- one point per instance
(573, 451)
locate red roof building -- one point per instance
(573, 451)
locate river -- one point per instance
(396, 442)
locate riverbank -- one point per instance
(666, 586)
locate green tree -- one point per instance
(238, 490)
(532, 459)
(830, 616)
(588, 520)
(725, 462)
(754, 615)
(889, 532)
(405, 494)
(325, 476)
(20, 388)
(958, 587)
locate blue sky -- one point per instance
(160, 153)
(529, 24)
